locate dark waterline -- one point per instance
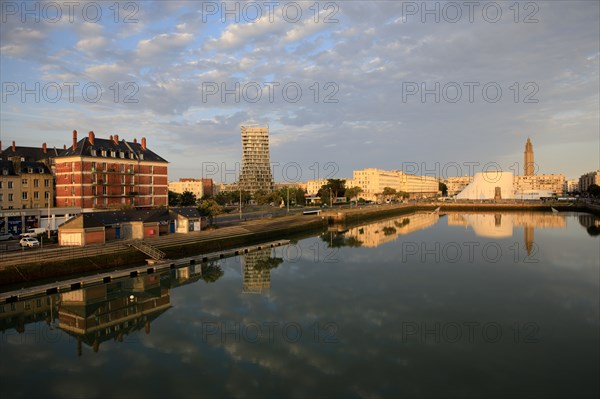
(425, 305)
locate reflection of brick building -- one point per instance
(112, 311)
(101, 173)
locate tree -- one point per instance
(227, 197)
(296, 195)
(594, 190)
(443, 188)
(402, 194)
(353, 192)
(333, 188)
(187, 198)
(338, 240)
(210, 208)
(262, 197)
(389, 192)
(174, 198)
(211, 272)
(300, 196)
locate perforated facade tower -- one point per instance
(256, 162)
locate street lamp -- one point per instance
(288, 199)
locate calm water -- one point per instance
(456, 305)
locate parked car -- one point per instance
(29, 242)
(7, 236)
(33, 232)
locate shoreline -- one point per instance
(38, 266)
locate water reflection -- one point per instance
(111, 311)
(256, 271)
(367, 325)
(591, 223)
(497, 225)
(379, 233)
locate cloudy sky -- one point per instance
(342, 85)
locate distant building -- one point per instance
(110, 173)
(571, 186)
(529, 165)
(554, 183)
(256, 162)
(198, 187)
(313, 186)
(373, 181)
(586, 180)
(456, 184)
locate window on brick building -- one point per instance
(36, 183)
(36, 195)
(46, 182)
(24, 195)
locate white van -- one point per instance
(33, 232)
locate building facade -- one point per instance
(110, 173)
(555, 183)
(256, 162)
(571, 186)
(373, 181)
(456, 184)
(26, 180)
(198, 187)
(313, 186)
(585, 181)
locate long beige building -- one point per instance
(550, 182)
(373, 181)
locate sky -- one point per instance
(435, 88)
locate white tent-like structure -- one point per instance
(485, 185)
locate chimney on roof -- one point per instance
(74, 140)
(134, 141)
(91, 137)
(64, 146)
(110, 137)
(144, 143)
(44, 148)
(0, 146)
(116, 137)
(14, 147)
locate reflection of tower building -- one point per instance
(529, 169)
(528, 232)
(256, 271)
(256, 163)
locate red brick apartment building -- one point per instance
(110, 173)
